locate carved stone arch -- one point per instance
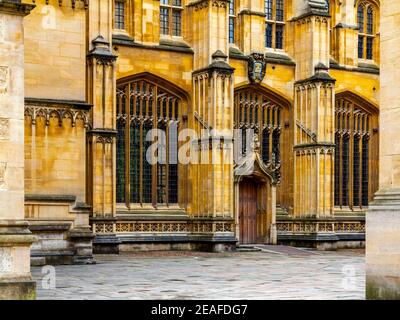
(277, 96)
(376, 3)
(162, 82)
(145, 102)
(272, 168)
(255, 217)
(362, 101)
(356, 151)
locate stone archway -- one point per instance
(255, 201)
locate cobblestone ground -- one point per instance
(280, 274)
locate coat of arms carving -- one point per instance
(256, 67)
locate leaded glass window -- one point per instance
(274, 23)
(232, 21)
(352, 161)
(367, 30)
(268, 35)
(119, 14)
(142, 106)
(171, 17)
(256, 111)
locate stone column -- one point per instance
(345, 34)
(101, 137)
(383, 216)
(15, 238)
(101, 88)
(314, 124)
(212, 117)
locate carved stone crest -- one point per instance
(3, 79)
(256, 67)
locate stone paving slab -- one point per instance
(195, 275)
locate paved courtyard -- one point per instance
(279, 273)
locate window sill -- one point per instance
(121, 32)
(137, 208)
(367, 63)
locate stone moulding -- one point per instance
(321, 226)
(250, 12)
(101, 226)
(15, 232)
(15, 7)
(60, 110)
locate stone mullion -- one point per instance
(141, 142)
(127, 147)
(360, 145)
(340, 168)
(154, 167)
(167, 164)
(350, 130)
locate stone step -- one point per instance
(245, 248)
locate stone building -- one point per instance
(96, 76)
(383, 219)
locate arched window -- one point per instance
(143, 105)
(274, 23)
(354, 128)
(366, 22)
(255, 110)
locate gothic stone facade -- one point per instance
(303, 74)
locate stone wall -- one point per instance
(383, 217)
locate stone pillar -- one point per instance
(15, 238)
(314, 124)
(101, 137)
(211, 116)
(101, 88)
(383, 216)
(345, 34)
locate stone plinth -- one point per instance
(383, 250)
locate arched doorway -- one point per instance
(262, 119)
(255, 199)
(267, 114)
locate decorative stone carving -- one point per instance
(256, 67)
(3, 167)
(163, 226)
(60, 113)
(104, 139)
(4, 76)
(4, 129)
(5, 259)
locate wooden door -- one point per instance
(247, 212)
